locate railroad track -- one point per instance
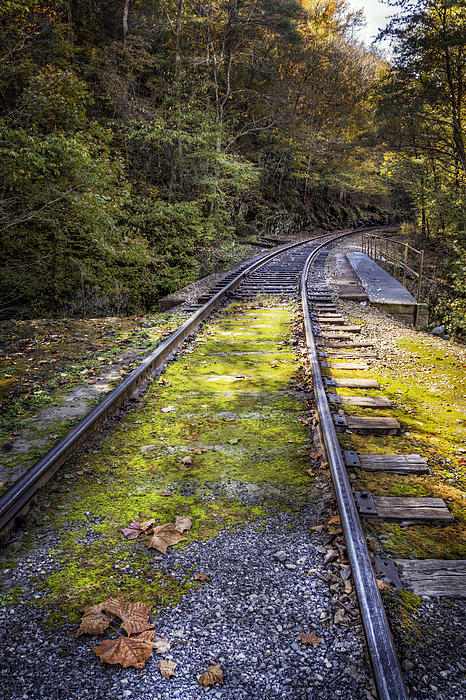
(280, 272)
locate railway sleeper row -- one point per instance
(335, 339)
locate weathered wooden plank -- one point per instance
(434, 577)
(348, 365)
(357, 383)
(347, 329)
(397, 464)
(330, 318)
(368, 401)
(352, 344)
(333, 352)
(373, 425)
(413, 510)
(336, 335)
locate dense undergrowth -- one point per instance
(144, 145)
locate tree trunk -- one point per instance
(125, 21)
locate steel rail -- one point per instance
(16, 499)
(384, 660)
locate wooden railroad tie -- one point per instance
(367, 401)
(355, 383)
(395, 464)
(373, 425)
(410, 510)
(434, 577)
(348, 354)
(330, 318)
(349, 365)
(352, 344)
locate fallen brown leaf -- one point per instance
(165, 536)
(136, 528)
(331, 555)
(334, 520)
(201, 577)
(185, 460)
(94, 620)
(213, 675)
(382, 586)
(310, 472)
(317, 528)
(309, 638)
(134, 616)
(182, 523)
(127, 651)
(167, 668)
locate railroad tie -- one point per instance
(365, 401)
(394, 464)
(434, 577)
(371, 425)
(355, 383)
(408, 510)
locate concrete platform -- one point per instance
(383, 290)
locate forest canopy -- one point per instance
(144, 143)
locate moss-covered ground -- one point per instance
(230, 401)
(427, 388)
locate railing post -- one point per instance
(405, 265)
(419, 282)
(386, 254)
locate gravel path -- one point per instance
(263, 591)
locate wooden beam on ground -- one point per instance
(357, 383)
(373, 425)
(413, 510)
(434, 577)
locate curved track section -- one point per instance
(15, 501)
(387, 673)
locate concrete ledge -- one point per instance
(385, 292)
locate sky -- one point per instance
(376, 16)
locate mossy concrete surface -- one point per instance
(233, 403)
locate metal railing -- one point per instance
(400, 258)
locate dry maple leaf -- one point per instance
(214, 674)
(331, 555)
(94, 620)
(382, 586)
(136, 528)
(127, 651)
(165, 536)
(162, 645)
(309, 638)
(167, 668)
(134, 616)
(182, 523)
(201, 577)
(334, 520)
(310, 472)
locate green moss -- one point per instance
(402, 608)
(426, 386)
(237, 416)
